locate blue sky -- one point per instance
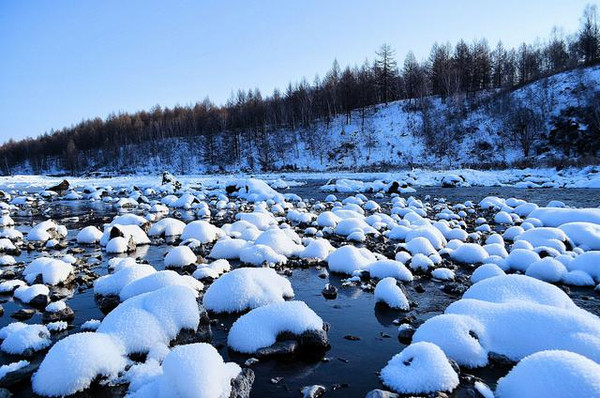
(66, 60)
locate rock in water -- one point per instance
(315, 391)
(60, 188)
(242, 384)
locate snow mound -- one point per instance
(228, 248)
(469, 253)
(259, 255)
(20, 338)
(167, 227)
(179, 257)
(486, 271)
(317, 248)
(202, 231)
(555, 216)
(387, 291)
(192, 371)
(89, 235)
(28, 293)
(52, 270)
(583, 234)
(75, 361)
(153, 319)
(158, 280)
(390, 268)
(124, 275)
(551, 374)
(280, 241)
(247, 288)
(420, 368)
(348, 259)
(260, 327)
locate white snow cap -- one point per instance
(551, 374)
(348, 259)
(179, 257)
(247, 288)
(75, 361)
(420, 368)
(192, 371)
(260, 327)
(152, 319)
(387, 291)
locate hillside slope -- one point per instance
(403, 134)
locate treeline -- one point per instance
(450, 71)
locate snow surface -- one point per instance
(260, 327)
(420, 368)
(247, 288)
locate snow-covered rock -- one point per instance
(247, 288)
(420, 368)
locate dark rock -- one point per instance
(500, 360)
(242, 384)
(315, 391)
(276, 380)
(203, 334)
(39, 301)
(419, 288)
(351, 338)
(314, 340)
(65, 314)
(377, 393)
(107, 303)
(454, 365)
(60, 188)
(454, 288)
(17, 376)
(405, 334)
(329, 292)
(340, 385)
(23, 314)
(280, 348)
(1, 310)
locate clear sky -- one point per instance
(65, 60)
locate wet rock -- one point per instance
(202, 335)
(419, 288)
(351, 337)
(66, 314)
(60, 188)
(454, 289)
(251, 361)
(107, 303)
(242, 384)
(314, 340)
(280, 348)
(276, 380)
(1, 310)
(500, 360)
(329, 292)
(23, 314)
(405, 334)
(315, 391)
(377, 393)
(16, 377)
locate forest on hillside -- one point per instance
(457, 74)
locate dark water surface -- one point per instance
(349, 367)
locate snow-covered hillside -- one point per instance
(386, 137)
